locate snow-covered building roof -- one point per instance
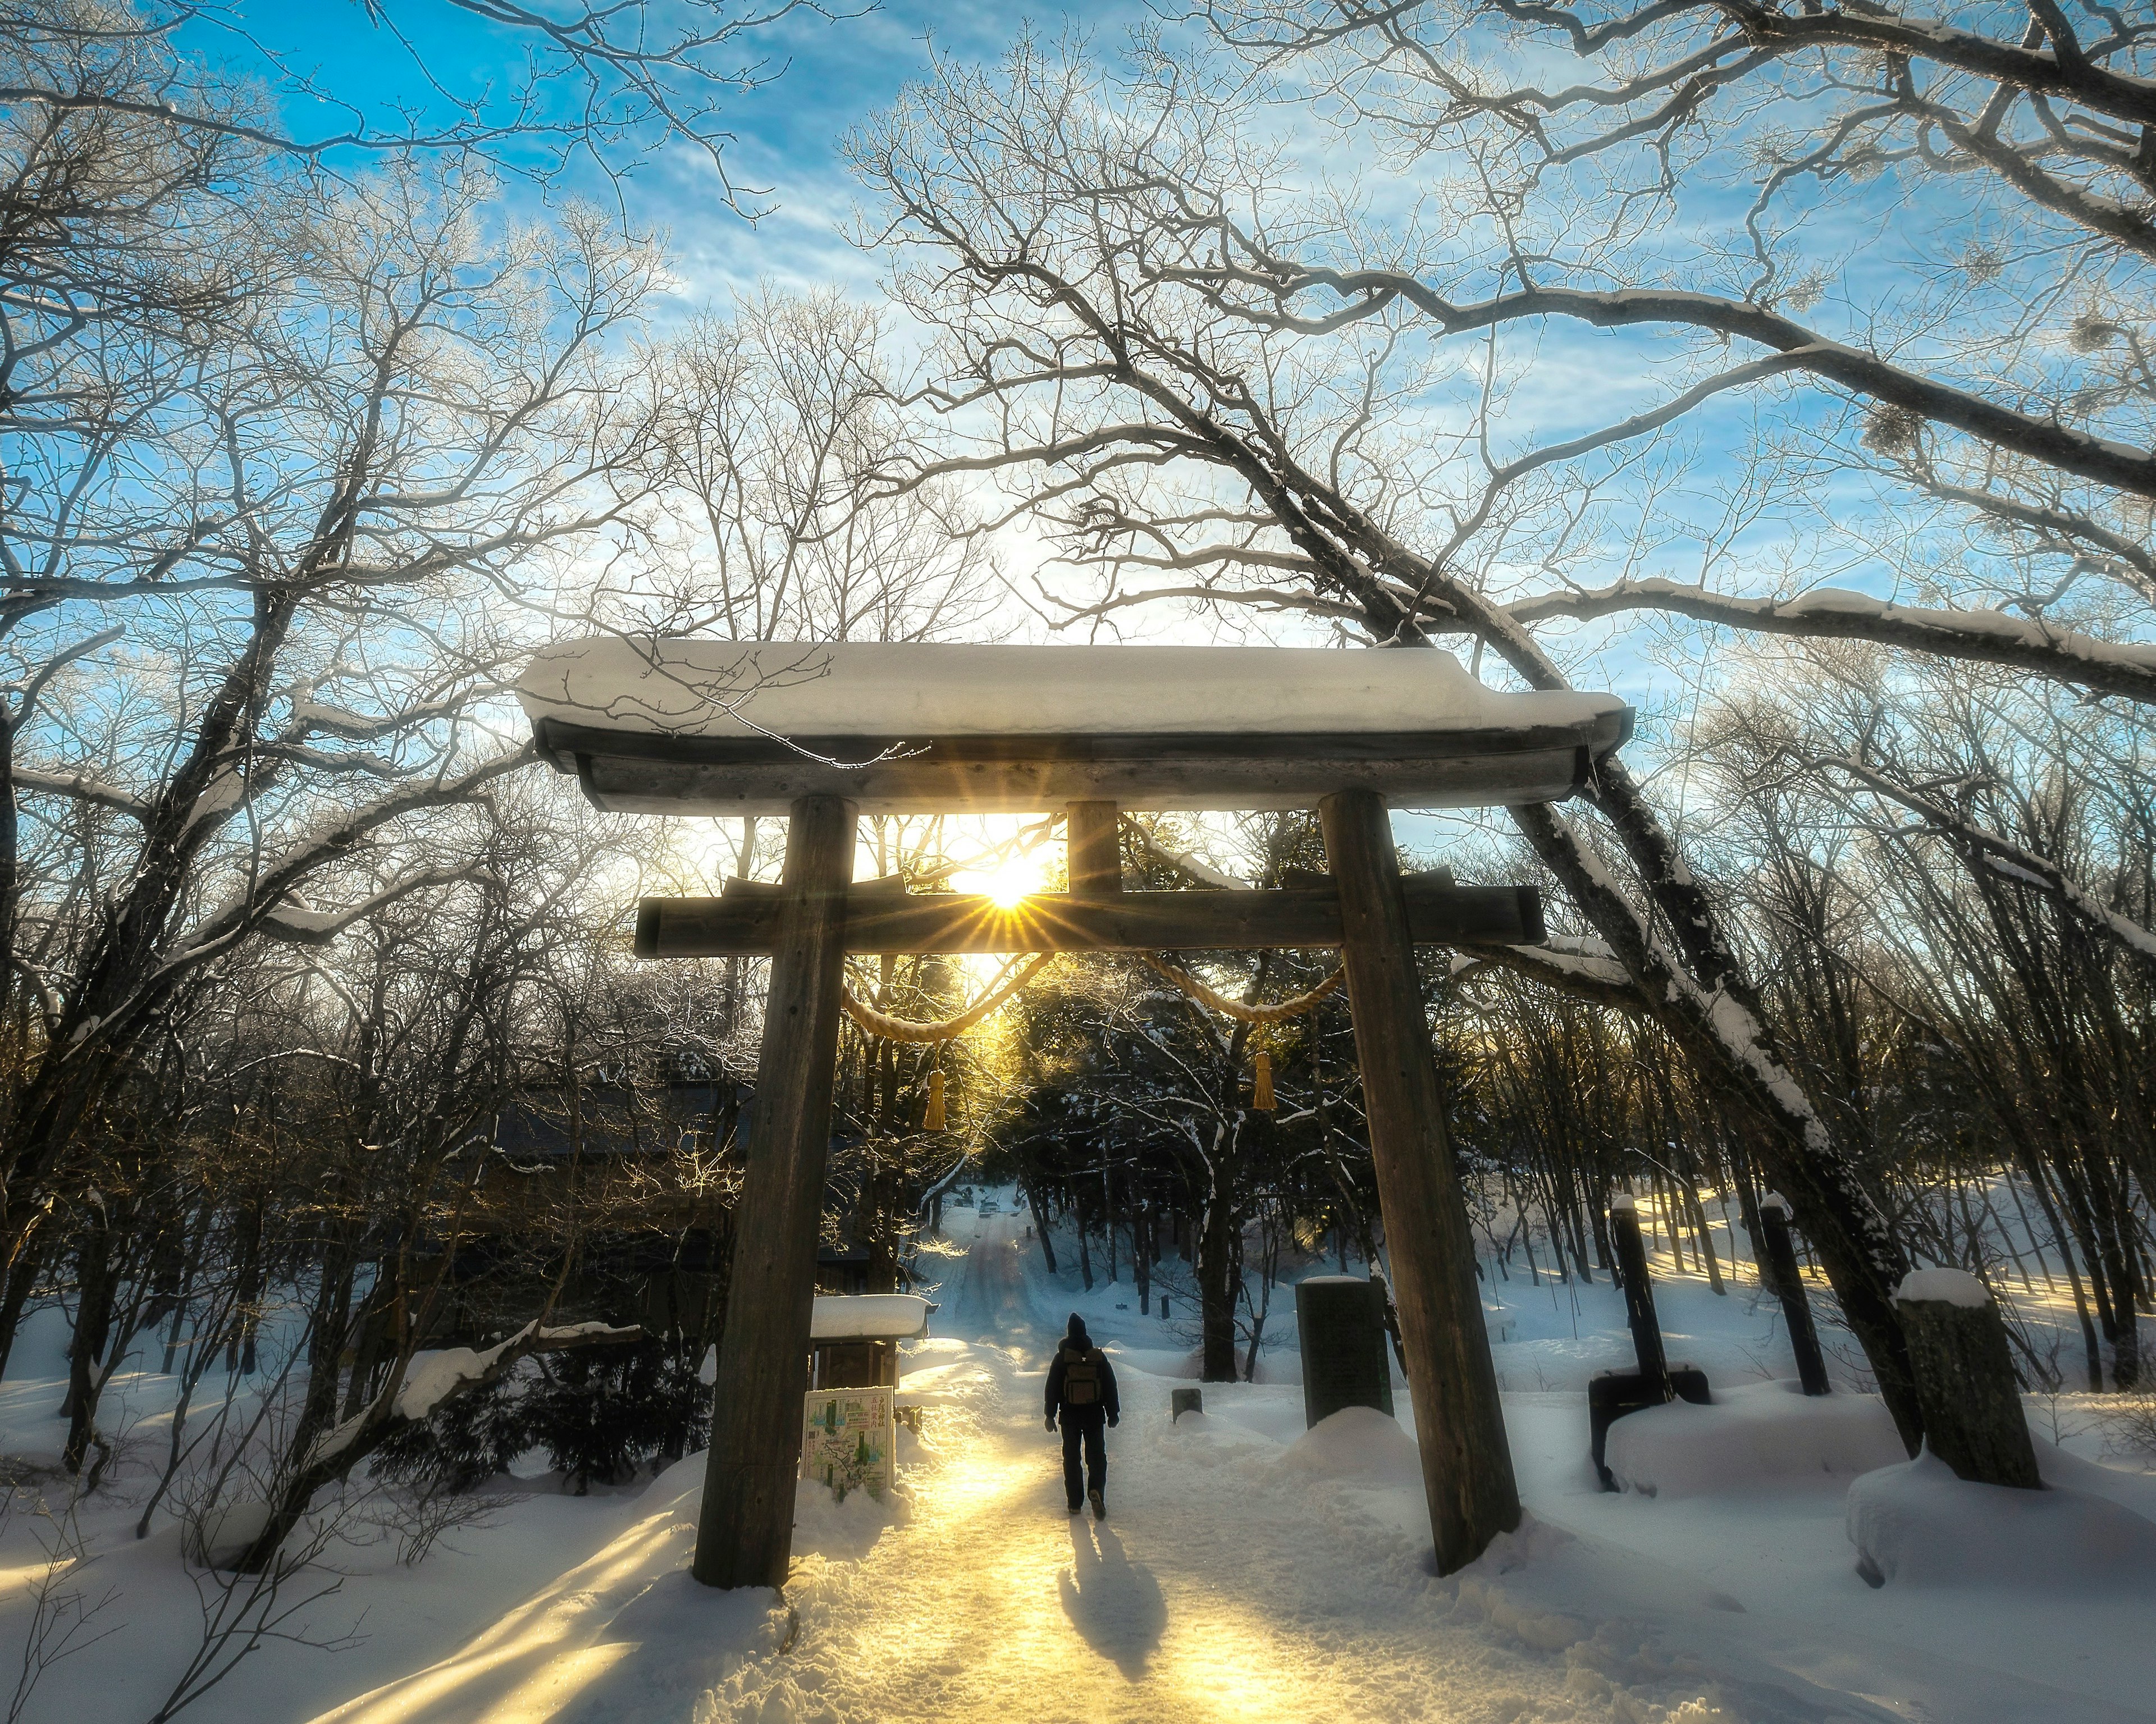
(744, 727)
(869, 1316)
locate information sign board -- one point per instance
(850, 1440)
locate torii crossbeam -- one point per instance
(824, 734)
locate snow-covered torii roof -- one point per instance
(744, 727)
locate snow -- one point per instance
(307, 925)
(1916, 1524)
(1944, 1286)
(869, 1317)
(1623, 1201)
(434, 1377)
(1753, 1434)
(1250, 1569)
(224, 1536)
(83, 787)
(1356, 1443)
(713, 688)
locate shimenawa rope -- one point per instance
(1019, 972)
(1235, 1009)
(1016, 974)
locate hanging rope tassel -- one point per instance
(931, 1119)
(1261, 1086)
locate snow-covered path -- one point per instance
(1184, 1605)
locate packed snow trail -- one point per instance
(994, 1602)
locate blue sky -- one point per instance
(824, 77)
(821, 76)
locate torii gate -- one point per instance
(824, 733)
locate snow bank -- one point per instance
(1917, 1525)
(1944, 1286)
(222, 1536)
(843, 1532)
(1756, 1434)
(1357, 1443)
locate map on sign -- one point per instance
(848, 1439)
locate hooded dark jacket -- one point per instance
(1078, 1347)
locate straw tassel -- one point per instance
(1262, 1089)
(932, 1119)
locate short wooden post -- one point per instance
(1092, 849)
(1467, 1464)
(1639, 1294)
(745, 1530)
(1789, 1288)
(1958, 1352)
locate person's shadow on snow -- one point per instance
(1114, 1603)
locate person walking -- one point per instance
(1082, 1390)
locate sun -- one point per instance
(1007, 883)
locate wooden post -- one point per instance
(1093, 849)
(745, 1531)
(1957, 1352)
(1639, 1294)
(1467, 1464)
(1789, 1288)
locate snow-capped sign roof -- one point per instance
(745, 727)
(869, 1316)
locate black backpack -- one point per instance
(1081, 1378)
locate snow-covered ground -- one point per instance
(1248, 1569)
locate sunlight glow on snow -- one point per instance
(530, 1650)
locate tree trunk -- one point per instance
(1219, 1271)
(1040, 1228)
(97, 1280)
(1973, 1415)
(22, 1279)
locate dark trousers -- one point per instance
(1086, 1424)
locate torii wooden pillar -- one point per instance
(745, 1535)
(814, 917)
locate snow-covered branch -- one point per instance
(1987, 637)
(1204, 873)
(295, 923)
(2004, 857)
(1276, 282)
(280, 877)
(81, 786)
(1591, 975)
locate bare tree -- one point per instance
(257, 599)
(1070, 250)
